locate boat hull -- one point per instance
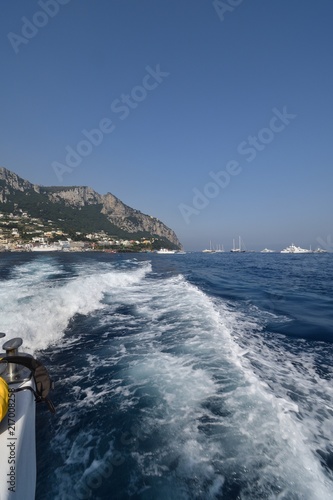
(18, 445)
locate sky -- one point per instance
(213, 116)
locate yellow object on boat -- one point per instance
(3, 398)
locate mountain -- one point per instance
(80, 208)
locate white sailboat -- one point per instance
(220, 249)
(209, 250)
(239, 249)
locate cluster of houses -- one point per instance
(20, 232)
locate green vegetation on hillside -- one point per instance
(86, 219)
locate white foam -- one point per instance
(194, 361)
(39, 310)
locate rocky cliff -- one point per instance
(80, 200)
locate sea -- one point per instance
(185, 376)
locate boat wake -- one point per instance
(165, 392)
(40, 299)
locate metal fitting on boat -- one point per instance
(15, 372)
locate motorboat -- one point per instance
(23, 382)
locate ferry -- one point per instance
(46, 248)
(23, 382)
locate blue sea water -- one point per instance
(196, 376)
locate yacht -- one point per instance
(165, 251)
(267, 250)
(294, 249)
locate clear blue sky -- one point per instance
(181, 89)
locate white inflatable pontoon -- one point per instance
(28, 382)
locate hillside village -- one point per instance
(19, 232)
(74, 218)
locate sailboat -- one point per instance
(239, 249)
(209, 250)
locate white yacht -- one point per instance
(267, 250)
(165, 251)
(294, 249)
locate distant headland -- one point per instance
(75, 217)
